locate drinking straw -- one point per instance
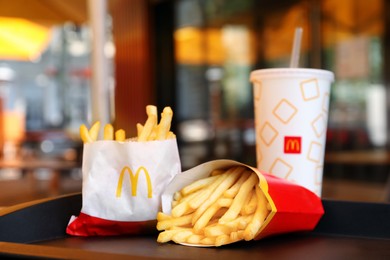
(294, 62)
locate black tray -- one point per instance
(348, 229)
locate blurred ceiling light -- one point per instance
(6, 74)
(21, 39)
(78, 48)
(109, 49)
(195, 130)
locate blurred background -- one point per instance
(65, 63)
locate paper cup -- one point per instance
(291, 115)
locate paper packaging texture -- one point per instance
(293, 207)
(122, 185)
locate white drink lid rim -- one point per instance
(291, 73)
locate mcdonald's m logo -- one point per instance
(292, 144)
(133, 178)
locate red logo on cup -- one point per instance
(292, 144)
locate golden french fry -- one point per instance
(189, 197)
(195, 239)
(168, 223)
(108, 132)
(239, 223)
(250, 206)
(208, 241)
(94, 131)
(153, 134)
(204, 219)
(165, 123)
(247, 200)
(222, 240)
(162, 216)
(181, 236)
(84, 134)
(251, 230)
(152, 111)
(147, 129)
(171, 135)
(219, 213)
(258, 217)
(225, 202)
(197, 185)
(120, 135)
(238, 201)
(244, 221)
(237, 235)
(167, 235)
(232, 192)
(217, 230)
(139, 129)
(198, 200)
(231, 176)
(177, 196)
(181, 208)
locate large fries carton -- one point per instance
(122, 186)
(292, 208)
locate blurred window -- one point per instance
(218, 43)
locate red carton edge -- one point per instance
(293, 207)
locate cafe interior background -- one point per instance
(65, 63)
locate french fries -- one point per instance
(150, 131)
(120, 135)
(165, 124)
(223, 208)
(108, 132)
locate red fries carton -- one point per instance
(292, 208)
(122, 186)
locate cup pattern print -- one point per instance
(291, 129)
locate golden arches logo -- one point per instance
(133, 181)
(292, 144)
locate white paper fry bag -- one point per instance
(122, 186)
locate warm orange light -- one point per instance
(14, 126)
(214, 45)
(190, 45)
(21, 39)
(345, 19)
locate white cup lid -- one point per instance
(291, 73)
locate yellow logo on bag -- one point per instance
(133, 181)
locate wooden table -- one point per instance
(378, 157)
(359, 157)
(348, 230)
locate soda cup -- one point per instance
(291, 114)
